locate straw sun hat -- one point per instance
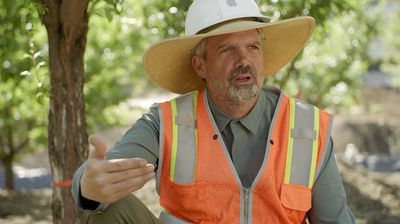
(168, 63)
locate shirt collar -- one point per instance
(221, 119)
(251, 121)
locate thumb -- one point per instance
(99, 150)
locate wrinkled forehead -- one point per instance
(251, 36)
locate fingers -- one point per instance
(130, 184)
(117, 165)
(128, 187)
(99, 150)
(109, 187)
(103, 169)
(106, 181)
(129, 174)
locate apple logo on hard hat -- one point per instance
(231, 3)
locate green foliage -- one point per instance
(112, 61)
(119, 33)
(166, 18)
(105, 8)
(23, 78)
(329, 70)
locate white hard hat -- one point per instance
(206, 13)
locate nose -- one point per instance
(242, 57)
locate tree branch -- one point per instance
(22, 145)
(9, 129)
(2, 150)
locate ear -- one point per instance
(199, 66)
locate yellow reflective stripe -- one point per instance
(195, 95)
(314, 148)
(174, 140)
(290, 142)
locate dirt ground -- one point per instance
(373, 197)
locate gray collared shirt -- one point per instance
(246, 138)
(329, 204)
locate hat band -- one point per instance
(218, 25)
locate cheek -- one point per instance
(260, 70)
(260, 64)
(220, 70)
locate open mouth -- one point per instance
(243, 79)
(243, 75)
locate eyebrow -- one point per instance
(255, 43)
(219, 47)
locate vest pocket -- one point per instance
(190, 202)
(296, 197)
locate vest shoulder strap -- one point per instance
(304, 149)
(184, 138)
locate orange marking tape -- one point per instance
(64, 183)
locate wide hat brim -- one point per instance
(168, 63)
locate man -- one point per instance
(229, 150)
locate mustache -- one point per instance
(242, 70)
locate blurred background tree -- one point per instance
(329, 72)
(390, 42)
(66, 24)
(24, 82)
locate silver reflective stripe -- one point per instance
(326, 150)
(186, 145)
(303, 135)
(170, 219)
(186, 121)
(160, 152)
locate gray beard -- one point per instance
(241, 94)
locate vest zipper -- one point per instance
(246, 205)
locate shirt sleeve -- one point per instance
(140, 141)
(329, 201)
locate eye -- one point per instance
(226, 50)
(254, 47)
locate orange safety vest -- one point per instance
(197, 180)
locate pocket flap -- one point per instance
(296, 197)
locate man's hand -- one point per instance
(107, 181)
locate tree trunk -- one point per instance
(67, 25)
(8, 173)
